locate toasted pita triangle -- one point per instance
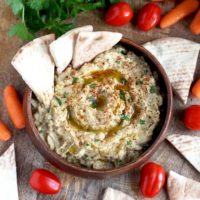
(182, 188)
(188, 146)
(62, 48)
(8, 175)
(34, 64)
(178, 56)
(90, 44)
(112, 194)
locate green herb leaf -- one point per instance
(93, 85)
(124, 52)
(21, 31)
(142, 122)
(74, 80)
(153, 89)
(16, 6)
(125, 117)
(65, 94)
(93, 102)
(58, 101)
(97, 140)
(38, 4)
(122, 95)
(146, 71)
(139, 82)
(129, 142)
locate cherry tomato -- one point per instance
(119, 14)
(152, 179)
(149, 17)
(192, 117)
(44, 181)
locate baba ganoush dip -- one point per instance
(103, 114)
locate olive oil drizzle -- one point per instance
(99, 76)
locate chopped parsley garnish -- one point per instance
(146, 71)
(139, 82)
(85, 157)
(142, 122)
(75, 80)
(129, 142)
(153, 89)
(93, 85)
(124, 52)
(87, 145)
(97, 140)
(58, 101)
(123, 81)
(122, 95)
(125, 117)
(93, 102)
(65, 94)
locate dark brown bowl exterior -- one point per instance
(158, 135)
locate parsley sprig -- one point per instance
(37, 15)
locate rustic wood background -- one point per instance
(75, 188)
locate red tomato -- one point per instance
(44, 181)
(192, 117)
(119, 14)
(149, 17)
(152, 179)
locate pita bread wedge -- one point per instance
(112, 194)
(90, 44)
(8, 175)
(35, 65)
(182, 188)
(178, 56)
(62, 48)
(188, 146)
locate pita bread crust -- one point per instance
(8, 175)
(34, 63)
(188, 146)
(182, 188)
(178, 56)
(63, 47)
(112, 194)
(90, 44)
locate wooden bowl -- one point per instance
(158, 134)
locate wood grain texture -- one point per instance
(75, 188)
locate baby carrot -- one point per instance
(179, 12)
(5, 134)
(195, 25)
(14, 107)
(196, 89)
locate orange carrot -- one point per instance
(5, 134)
(196, 89)
(179, 12)
(195, 25)
(14, 107)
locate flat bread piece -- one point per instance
(35, 65)
(90, 44)
(63, 47)
(112, 194)
(178, 56)
(182, 188)
(188, 146)
(8, 175)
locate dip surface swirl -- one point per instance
(103, 114)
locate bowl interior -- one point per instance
(158, 133)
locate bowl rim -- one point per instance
(62, 164)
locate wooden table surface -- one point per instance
(74, 188)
